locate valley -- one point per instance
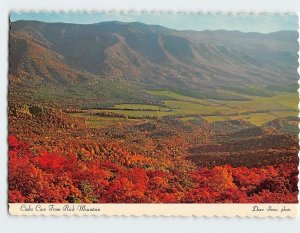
(257, 110)
(118, 112)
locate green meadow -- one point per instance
(255, 109)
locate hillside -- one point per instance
(140, 56)
(132, 113)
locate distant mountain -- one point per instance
(153, 56)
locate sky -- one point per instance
(181, 21)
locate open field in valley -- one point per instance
(256, 109)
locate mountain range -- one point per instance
(149, 56)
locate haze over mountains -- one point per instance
(151, 56)
(132, 113)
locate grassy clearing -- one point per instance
(285, 113)
(256, 109)
(185, 107)
(141, 107)
(189, 118)
(138, 113)
(100, 122)
(169, 95)
(255, 118)
(289, 100)
(280, 102)
(216, 118)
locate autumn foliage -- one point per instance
(91, 176)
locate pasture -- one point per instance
(256, 109)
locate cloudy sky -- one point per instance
(181, 21)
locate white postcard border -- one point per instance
(207, 210)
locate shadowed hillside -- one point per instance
(133, 113)
(153, 57)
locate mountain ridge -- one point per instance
(153, 56)
(151, 25)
